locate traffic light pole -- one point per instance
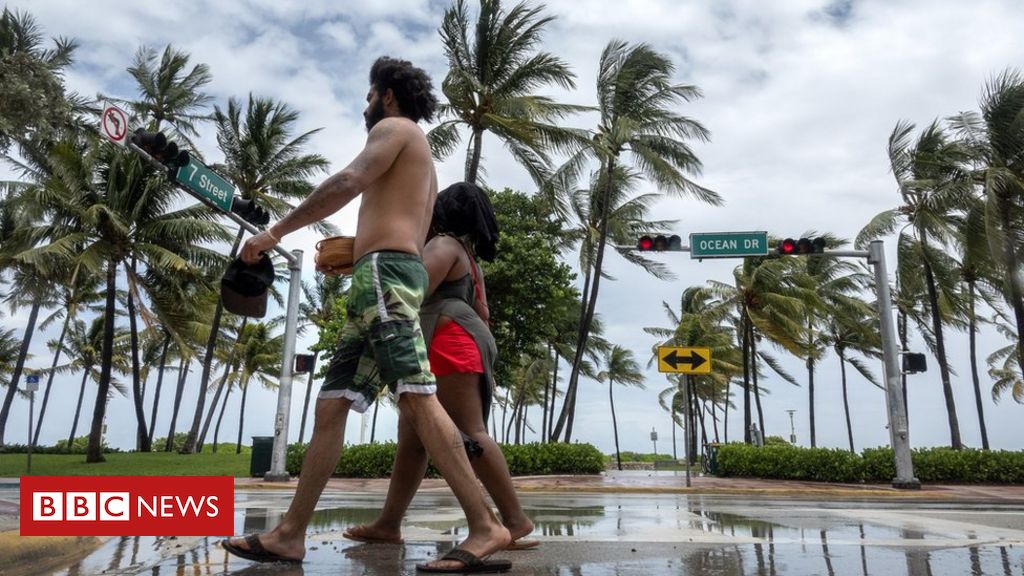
(277, 472)
(899, 434)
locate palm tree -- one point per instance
(260, 357)
(266, 163)
(933, 189)
(620, 367)
(169, 91)
(33, 104)
(9, 350)
(323, 303)
(84, 348)
(852, 329)
(995, 139)
(494, 69)
(638, 121)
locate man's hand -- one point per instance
(254, 247)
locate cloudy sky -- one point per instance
(800, 97)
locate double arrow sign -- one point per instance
(684, 360)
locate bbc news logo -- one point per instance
(127, 506)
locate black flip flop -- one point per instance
(256, 551)
(471, 564)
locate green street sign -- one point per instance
(206, 183)
(728, 244)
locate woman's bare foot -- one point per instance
(481, 545)
(373, 534)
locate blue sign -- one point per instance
(32, 379)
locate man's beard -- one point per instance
(376, 115)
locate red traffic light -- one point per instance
(802, 246)
(660, 243)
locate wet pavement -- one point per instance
(602, 533)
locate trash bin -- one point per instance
(262, 450)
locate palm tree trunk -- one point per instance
(504, 413)
(940, 350)
(49, 378)
(159, 385)
(305, 403)
(182, 374)
(220, 418)
(78, 408)
(220, 387)
(973, 338)
(473, 162)
(810, 399)
(846, 401)
(725, 416)
(141, 430)
(95, 450)
(19, 366)
(747, 421)
(211, 342)
(1012, 265)
(241, 415)
(588, 316)
(373, 426)
(714, 415)
(544, 411)
(753, 377)
(554, 396)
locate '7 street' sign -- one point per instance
(684, 360)
(205, 182)
(728, 244)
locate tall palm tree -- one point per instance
(169, 91)
(33, 104)
(852, 329)
(620, 367)
(637, 103)
(9, 350)
(260, 358)
(933, 189)
(84, 349)
(323, 302)
(494, 70)
(266, 162)
(995, 139)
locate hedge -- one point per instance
(931, 465)
(375, 460)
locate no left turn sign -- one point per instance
(114, 124)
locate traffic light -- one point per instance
(303, 363)
(161, 149)
(914, 362)
(660, 243)
(790, 247)
(250, 211)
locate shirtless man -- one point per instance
(395, 174)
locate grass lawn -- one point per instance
(224, 463)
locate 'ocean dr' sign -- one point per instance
(728, 244)
(206, 183)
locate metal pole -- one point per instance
(686, 427)
(31, 411)
(277, 472)
(898, 432)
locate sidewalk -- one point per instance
(641, 482)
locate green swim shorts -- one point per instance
(381, 342)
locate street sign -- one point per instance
(206, 183)
(684, 360)
(728, 244)
(31, 383)
(114, 124)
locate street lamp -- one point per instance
(792, 429)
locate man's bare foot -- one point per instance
(481, 545)
(373, 534)
(267, 547)
(520, 529)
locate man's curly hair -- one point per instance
(411, 85)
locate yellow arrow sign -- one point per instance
(684, 360)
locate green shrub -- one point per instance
(776, 441)
(375, 460)
(628, 456)
(79, 446)
(787, 462)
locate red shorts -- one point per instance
(453, 351)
